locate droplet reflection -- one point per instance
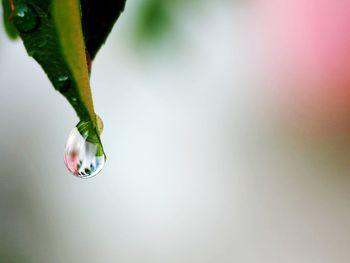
(84, 155)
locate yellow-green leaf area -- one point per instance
(67, 20)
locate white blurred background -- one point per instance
(203, 164)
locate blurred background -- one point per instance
(226, 131)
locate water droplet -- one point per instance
(63, 83)
(63, 78)
(25, 18)
(73, 100)
(99, 123)
(84, 155)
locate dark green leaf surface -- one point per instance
(98, 18)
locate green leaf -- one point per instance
(67, 20)
(52, 34)
(9, 27)
(63, 43)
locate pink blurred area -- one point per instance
(305, 56)
(71, 162)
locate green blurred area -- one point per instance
(154, 20)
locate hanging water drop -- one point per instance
(84, 155)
